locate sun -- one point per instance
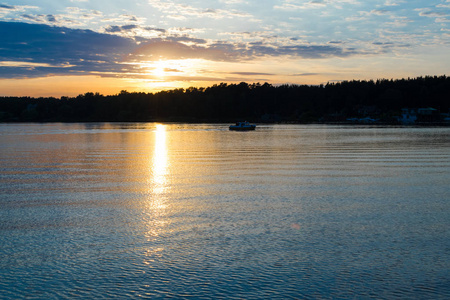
(159, 68)
(172, 68)
(165, 74)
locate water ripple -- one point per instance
(285, 212)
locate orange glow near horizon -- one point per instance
(169, 74)
(154, 76)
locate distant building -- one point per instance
(446, 117)
(413, 115)
(366, 120)
(408, 116)
(429, 111)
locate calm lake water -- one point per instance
(181, 211)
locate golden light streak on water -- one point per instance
(160, 160)
(158, 183)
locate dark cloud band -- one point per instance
(60, 50)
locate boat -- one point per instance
(243, 126)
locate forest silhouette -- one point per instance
(382, 100)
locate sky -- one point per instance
(70, 47)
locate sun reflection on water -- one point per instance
(158, 183)
(160, 161)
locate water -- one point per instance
(196, 211)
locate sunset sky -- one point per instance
(70, 47)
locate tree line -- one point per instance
(382, 99)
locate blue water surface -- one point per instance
(195, 211)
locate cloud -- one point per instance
(304, 74)
(379, 12)
(314, 4)
(124, 19)
(301, 51)
(24, 64)
(11, 10)
(73, 17)
(252, 74)
(393, 2)
(162, 49)
(16, 7)
(440, 14)
(136, 31)
(183, 11)
(233, 1)
(56, 50)
(33, 50)
(144, 33)
(433, 14)
(5, 6)
(43, 19)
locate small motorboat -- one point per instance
(243, 126)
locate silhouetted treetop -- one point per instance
(333, 102)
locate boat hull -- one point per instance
(242, 128)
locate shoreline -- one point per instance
(178, 121)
